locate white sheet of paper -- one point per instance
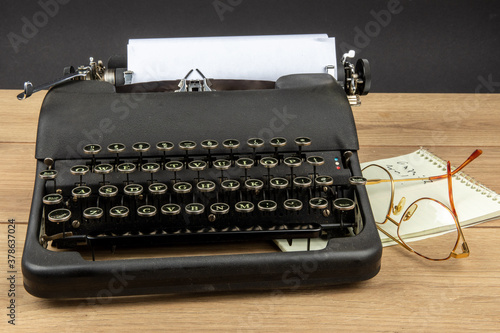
(245, 57)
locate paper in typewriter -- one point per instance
(474, 202)
(237, 58)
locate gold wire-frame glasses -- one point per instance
(423, 208)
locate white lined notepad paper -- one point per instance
(245, 57)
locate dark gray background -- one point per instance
(429, 46)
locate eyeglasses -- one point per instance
(424, 210)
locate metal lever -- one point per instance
(29, 90)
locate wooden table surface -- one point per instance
(409, 293)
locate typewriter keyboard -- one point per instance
(165, 193)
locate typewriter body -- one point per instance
(144, 166)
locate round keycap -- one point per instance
(126, 167)
(182, 187)
(255, 142)
(324, 180)
(292, 162)
(267, 205)
(254, 184)
(244, 162)
(230, 185)
(141, 147)
(318, 203)
(92, 149)
(302, 181)
(164, 146)
(209, 144)
(116, 148)
(157, 188)
(244, 207)
(205, 186)
(197, 165)
(194, 208)
(303, 141)
(79, 170)
(357, 180)
(133, 189)
(52, 199)
(48, 174)
(292, 204)
(81, 192)
(174, 166)
(343, 204)
(170, 209)
(119, 211)
(103, 169)
(108, 191)
(150, 167)
(279, 183)
(187, 145)
(146, 211)
(269, 162)
(93, 213)
(316, 160)
(219, 208)
(231, 143)
(278, 142)
(222, 164)
(59, 215)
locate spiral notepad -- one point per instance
(474, 202)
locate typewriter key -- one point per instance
(343, 204)
(92, 149)
(133, 189)
(197, 166)
(315, 161)
(254, 184)
(182, 187)
(302, 182)
(126, 168)
(174, 166)
(244, 207)
(164, 146)
(302, 142)
(151, 168)
(157, 188)
(318, 203)
(48, 174)
(267, 205)
(108, 191)
(187, 146)
(255, 143)
(245, 163)
(209, 145)
(146, 211)
(277, 142)
(219, 208)
(141, 147)
(357, 180)
(324, 180)
(119, 211)
(205, 186)
(230, 185)
(103, 169)
(52, 199)
(79, 170)
(81, 192)
(116, 148)
(279, 183)
(195, 208)
(170, 209)
(292, 204)
(292, 162)
(93, 213)
(269, 162)
(59, 215)
(231, 144)
(222, 165)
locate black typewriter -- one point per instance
(141, 165)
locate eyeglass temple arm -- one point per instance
(465, 248)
